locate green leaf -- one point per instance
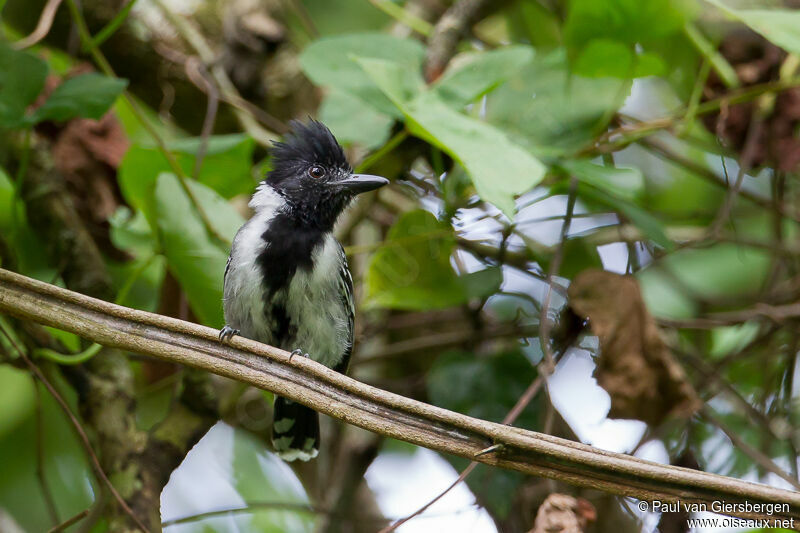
(483, 283)
(662, 298)
(22, 77)
(345, 16)
(607, 57)
(625, 183)
(412, 269)
(477, 146)
(627, 21)
(578, 254)
(226, 169)
(8, 200)
(351, 121)
(69, 476)
(193, 257)
(87, 96)
(534, 23)
(472, 75)
(258, 477)
(607, 38)
(16, 397)
(130, 232)
(551, 111)
(780, 26)
(329, 62)
(650, 225)
(720, 271)
(486, 388)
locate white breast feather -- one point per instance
(316, 302)
(243, 299)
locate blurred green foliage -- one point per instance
(544, 99)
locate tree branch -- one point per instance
(336, 395)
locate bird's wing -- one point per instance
(227, 267)
(346, 294)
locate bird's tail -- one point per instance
(295, 430)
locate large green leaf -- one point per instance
(607, 57)
(193, 256)
(651, 226)
(534, 23)
(329, 62)
(142, 277)
(474, 74)
(352, 121)
(8, 200)
(604, 38)
(16, 397)
(625, 183)
(499, 168)
(226, 169)
(721, 271)
(22, 78)
(64, 464)
(780, 26)
(629, 21)
(261, 478)
(485, 388)
(88, 96)
(551, 111)
(577, 254)
(412, 269)
(345, 16)
(31, 257)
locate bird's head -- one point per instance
(310, 172)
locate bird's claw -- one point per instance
(227, 333)
(297, 351)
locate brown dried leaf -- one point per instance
(87, 152)
(635, 367)
(562, 513)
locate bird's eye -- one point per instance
(316, 172)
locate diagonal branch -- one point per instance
(382, 412)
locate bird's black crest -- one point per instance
(306, 144)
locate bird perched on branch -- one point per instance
(287, 282)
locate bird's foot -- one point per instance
(297, 351)
(227, 333)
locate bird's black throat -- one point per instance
(290, 246)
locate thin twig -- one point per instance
(451, 27)
(113, 25)
(555, 265)
(401, 15)
(84, 438)
(522, 402)
(745, 162)
(238, 102)
(42, 27)
(226, 87)
(740, 444)
(667, 153)
(70, 521)
(196, 70)
(40, 471)
(629, 134)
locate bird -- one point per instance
(287, 282)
